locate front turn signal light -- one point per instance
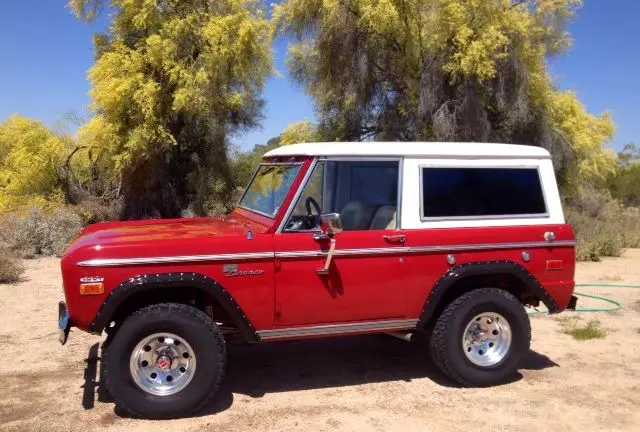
(93, 288)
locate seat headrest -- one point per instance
(385, 218)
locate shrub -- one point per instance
(64, 225)
(603, 227)
(10, 266)
(93, 210)
(40, 232)
(26, 234)
(591, 330)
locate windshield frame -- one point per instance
(253, 177)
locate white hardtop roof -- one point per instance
(412, 149)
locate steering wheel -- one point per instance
(308, 202)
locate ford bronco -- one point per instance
(447, 240)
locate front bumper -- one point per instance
(64, 322)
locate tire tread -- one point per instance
(438, 344)
(198, 316)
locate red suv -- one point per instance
(443, 239)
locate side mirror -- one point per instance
(331, 224)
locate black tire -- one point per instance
(446, 339)
(189, 323)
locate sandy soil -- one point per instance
(357, 383)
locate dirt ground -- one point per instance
(365, 383)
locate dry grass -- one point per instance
(603, 227)
(10, 266)
(567, 320)
(39, 232)
(591, 330)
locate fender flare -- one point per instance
(198, 281)
(463, 271)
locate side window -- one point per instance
(481, 193)
(364, 193)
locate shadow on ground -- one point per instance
(256, 370)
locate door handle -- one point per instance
(394, 238)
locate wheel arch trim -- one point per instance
(488, 268)
(149, 282)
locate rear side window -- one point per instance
(471, 193)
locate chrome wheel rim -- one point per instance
(486, 339)
(162, 364)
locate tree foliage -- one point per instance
(173, 80)
(45, 169)
(625, 184)
(467, 70)
(300, 132)
(244, 164)
(35, 164)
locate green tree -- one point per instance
(625, 184)
(245, 163)
(300, 132)
(43, 169)
(445, 70)
(173, 80)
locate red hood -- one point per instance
(119, 233)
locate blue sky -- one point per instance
(45, 54)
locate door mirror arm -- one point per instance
(330, 225)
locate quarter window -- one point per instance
(481, 192)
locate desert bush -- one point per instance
(10, 266)
(592, 330)
(39, 232)
(603, 226)
(64, 225)
(93, 210)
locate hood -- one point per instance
(158, 232)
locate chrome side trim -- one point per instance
(336, 329)
(343, 252)
(115, 262)
(492, 246)
(426, 249)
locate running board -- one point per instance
(338, 329)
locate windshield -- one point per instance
(269, 187)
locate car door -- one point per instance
(365, 279)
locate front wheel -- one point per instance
(481, 337)
(165, 361)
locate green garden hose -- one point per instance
(616, 305)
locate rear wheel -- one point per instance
(165, 361)
(481, 337)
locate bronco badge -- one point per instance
(231, 270)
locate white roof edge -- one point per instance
(412, 149)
